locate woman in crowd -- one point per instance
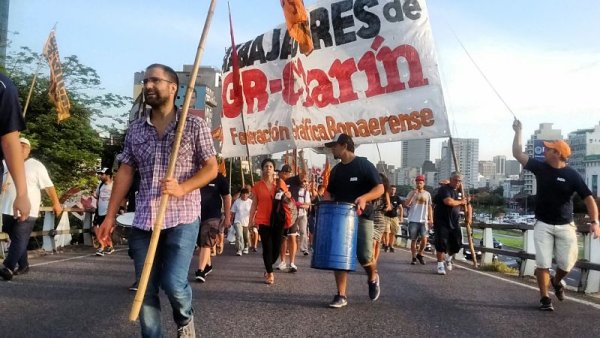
(264, 192)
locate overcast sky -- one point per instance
(542, 56)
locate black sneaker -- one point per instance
(100, 252)
(546, 304)
(109, 250)
(374, 289)
(391, 249)
(421, 260)
(21, 271)
(338, 302)
(6, 273)
(134, 286)
(414, 261)
(201, 275)
(207, 269)
(385, 248)
(559, 290)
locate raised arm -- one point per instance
(517, 146)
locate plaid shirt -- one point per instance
(150, 155)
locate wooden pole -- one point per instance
(139, 295)
(462, 191)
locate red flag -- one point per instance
(237, 86)
(297, 24)
(57, 91)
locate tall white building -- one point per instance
(544, 133)
(467, 155)
(414, 153)
(500, 161)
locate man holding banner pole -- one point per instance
(147, 148)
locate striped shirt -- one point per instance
(150, 155)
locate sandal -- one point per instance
(269, 279)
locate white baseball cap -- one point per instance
(25, 141)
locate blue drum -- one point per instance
(334, 241)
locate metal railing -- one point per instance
(589, 264)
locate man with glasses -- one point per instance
(147, 148)
(448, 237)
(554, 231)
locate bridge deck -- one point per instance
(75, 294)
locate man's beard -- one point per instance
(156, 100)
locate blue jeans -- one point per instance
(169, 271)
(19, 233)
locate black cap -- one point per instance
(341, 139)
(286, 169)
(106, 171)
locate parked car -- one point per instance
(497, 243)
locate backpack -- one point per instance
(284, 212)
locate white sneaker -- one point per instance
(441, 270)
(282, 266)
(449, 263)
(239, 253)
(245, 251)
(293, 267)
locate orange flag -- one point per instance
(222, 168)
(57, 91)
(297, 24)
(326, 172)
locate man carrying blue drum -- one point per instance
(355, 180)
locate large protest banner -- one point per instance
(373, 74)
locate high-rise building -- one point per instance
(4, 6)
(487, 168)
(500, 161)
(467, 155)
(414, 153)
(513, 167)
(544, 133)
(583, 142)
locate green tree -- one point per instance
(69, 149)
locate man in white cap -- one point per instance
(554, 231)
(19, 231)
(420, 216)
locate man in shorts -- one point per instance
(215, 201)
(554, 232)
(420, 215)
(355, 180)
(392, 219)
(448, 236)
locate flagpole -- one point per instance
(462, 191)
(39, 66)
(241, 93)
(139, 295)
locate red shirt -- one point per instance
(264, 201)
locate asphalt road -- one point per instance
(75, 294)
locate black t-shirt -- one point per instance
(396, 202)
(444, 215)
(211, 197)
(555, 188)
(11, 118)
(294, 184)
(349, 181)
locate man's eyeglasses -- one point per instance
(155, 80)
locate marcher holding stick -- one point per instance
(147, 148)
